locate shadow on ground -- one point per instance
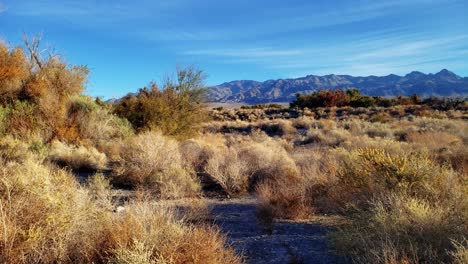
(290, 242)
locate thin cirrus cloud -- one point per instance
(288, 19)
(248, 52)
(375, 55)
(3, 8)
(161, 14)
(246, 39)
(89, 11)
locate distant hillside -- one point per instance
(443, 83)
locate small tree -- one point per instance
(177, 109)
(45, 83)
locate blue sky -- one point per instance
(126, 44)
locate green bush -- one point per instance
(362, 101)
(90, 116)
(176, 110)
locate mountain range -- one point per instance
(443, 83)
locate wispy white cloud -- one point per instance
(109, 11)
(248, 52)
(411, 48)
(161, 15)
(288, 38)
(378, 54)
(170, 35)
(3, 8)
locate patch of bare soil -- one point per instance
(286, 242)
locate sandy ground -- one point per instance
(289, 242)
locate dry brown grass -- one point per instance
(238, 168)
(399, 175)
(153, 161)
(47, 218)
(77, 157)
(41, 212)
(401, 229)
(151, 233)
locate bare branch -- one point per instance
(33, 48)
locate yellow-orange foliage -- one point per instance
(13, 70)
(46, 85)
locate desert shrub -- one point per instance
(381, 118)
(282, 197)
(195, 152)
(20, 119)
(38, 92)
(77, 157)
(277, 128)
(383, 102)
(99, 190)
(445, 103)
(240, 166)
(40, 211)
(298, 196)
(227, 168)
(443, 147)
(362, 101)
(13, 150)
(321, 98)
(3, 119)
(379, 130)
(176, 110)
(90, 117)
(13, 70)
(401, 229)
(153, 161)
(442, 125)
(262, 106)
(433, 140)
(460, 254)
(47, 218)
(330, 138)
(51, 88)
(359, 128)
(373, 172)
(148, 233)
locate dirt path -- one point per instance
(290, 242)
